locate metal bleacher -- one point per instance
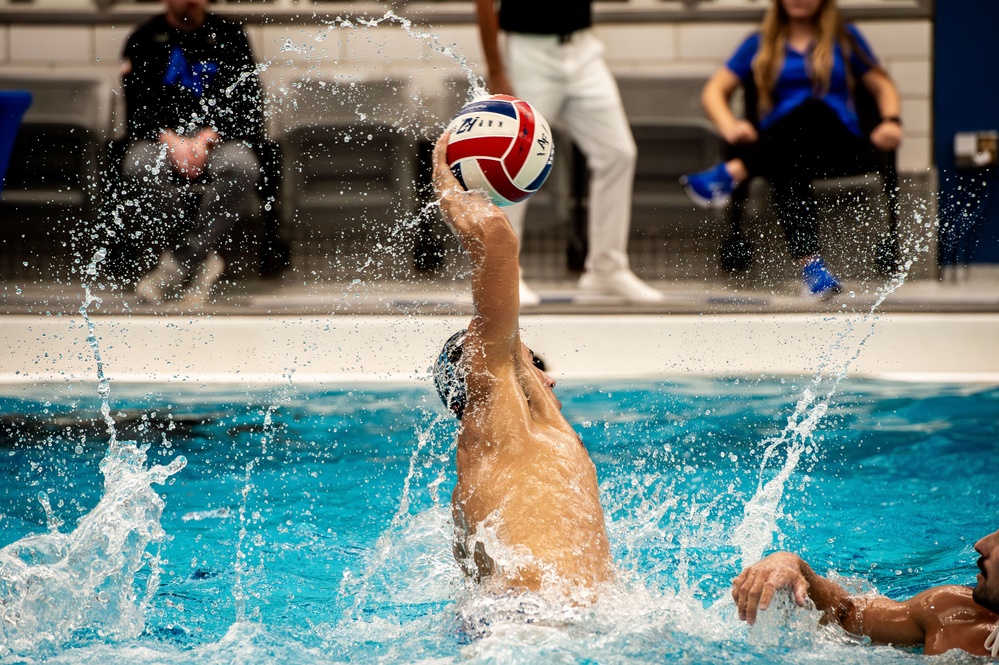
(349, 163)
(354, 152)
(670, 237)
(674, 137)
(51, 190)
(57, 155)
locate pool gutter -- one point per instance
(269, 350)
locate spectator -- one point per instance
(803, 63)
(555, 61)
(194, 112)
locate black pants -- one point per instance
(807, 144)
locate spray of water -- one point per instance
(55, 585)
(781, 454)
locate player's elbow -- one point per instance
(497, 236)
(848, 613)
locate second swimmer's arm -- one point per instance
(880, 618)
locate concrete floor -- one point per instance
(301, 291)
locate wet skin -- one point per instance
(940, 618)
(526, 505)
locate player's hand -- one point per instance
(754, 587)
(740, 131)
(887, 136)
(463, 210)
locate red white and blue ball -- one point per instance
(501, 145)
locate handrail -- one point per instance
(441, 13)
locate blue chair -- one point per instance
(13, 104)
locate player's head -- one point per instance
(986, 592)
(538, 366)
(449, 375)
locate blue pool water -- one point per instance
(311, 524)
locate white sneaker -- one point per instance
(161, 279)
(204, 279)
(528, 298)
(622, 283)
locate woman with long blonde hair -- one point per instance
(804, 64)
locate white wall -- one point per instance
(904, 46)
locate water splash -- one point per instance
(55, 585)
(405, 529)
(759, 526)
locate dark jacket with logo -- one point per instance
(186, 81)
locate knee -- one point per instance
(145, 161)
(239, 166)
(617, 157)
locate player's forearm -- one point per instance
(495, 276)
(828, 596)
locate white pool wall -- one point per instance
(259, 349)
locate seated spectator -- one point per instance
(194, 112)
(803, 63)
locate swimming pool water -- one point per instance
(328, 508)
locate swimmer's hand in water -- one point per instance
(754, 587)
(465, 212)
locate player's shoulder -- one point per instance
(939, 600)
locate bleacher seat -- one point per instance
(57, 157)
(673, 136)
(350, 152)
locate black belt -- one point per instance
(561, 37)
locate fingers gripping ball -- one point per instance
(502, 146)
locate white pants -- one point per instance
(571, 82)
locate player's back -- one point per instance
(527, 497)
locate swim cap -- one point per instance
(449, 375)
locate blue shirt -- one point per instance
(794, 87)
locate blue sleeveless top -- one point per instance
(794, 87)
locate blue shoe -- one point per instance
(818, 281)
(709, 189)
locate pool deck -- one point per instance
(300, 331)
(297, 293)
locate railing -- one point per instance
(431, 11)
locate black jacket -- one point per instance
(190, 80)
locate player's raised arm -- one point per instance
(492, 245)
